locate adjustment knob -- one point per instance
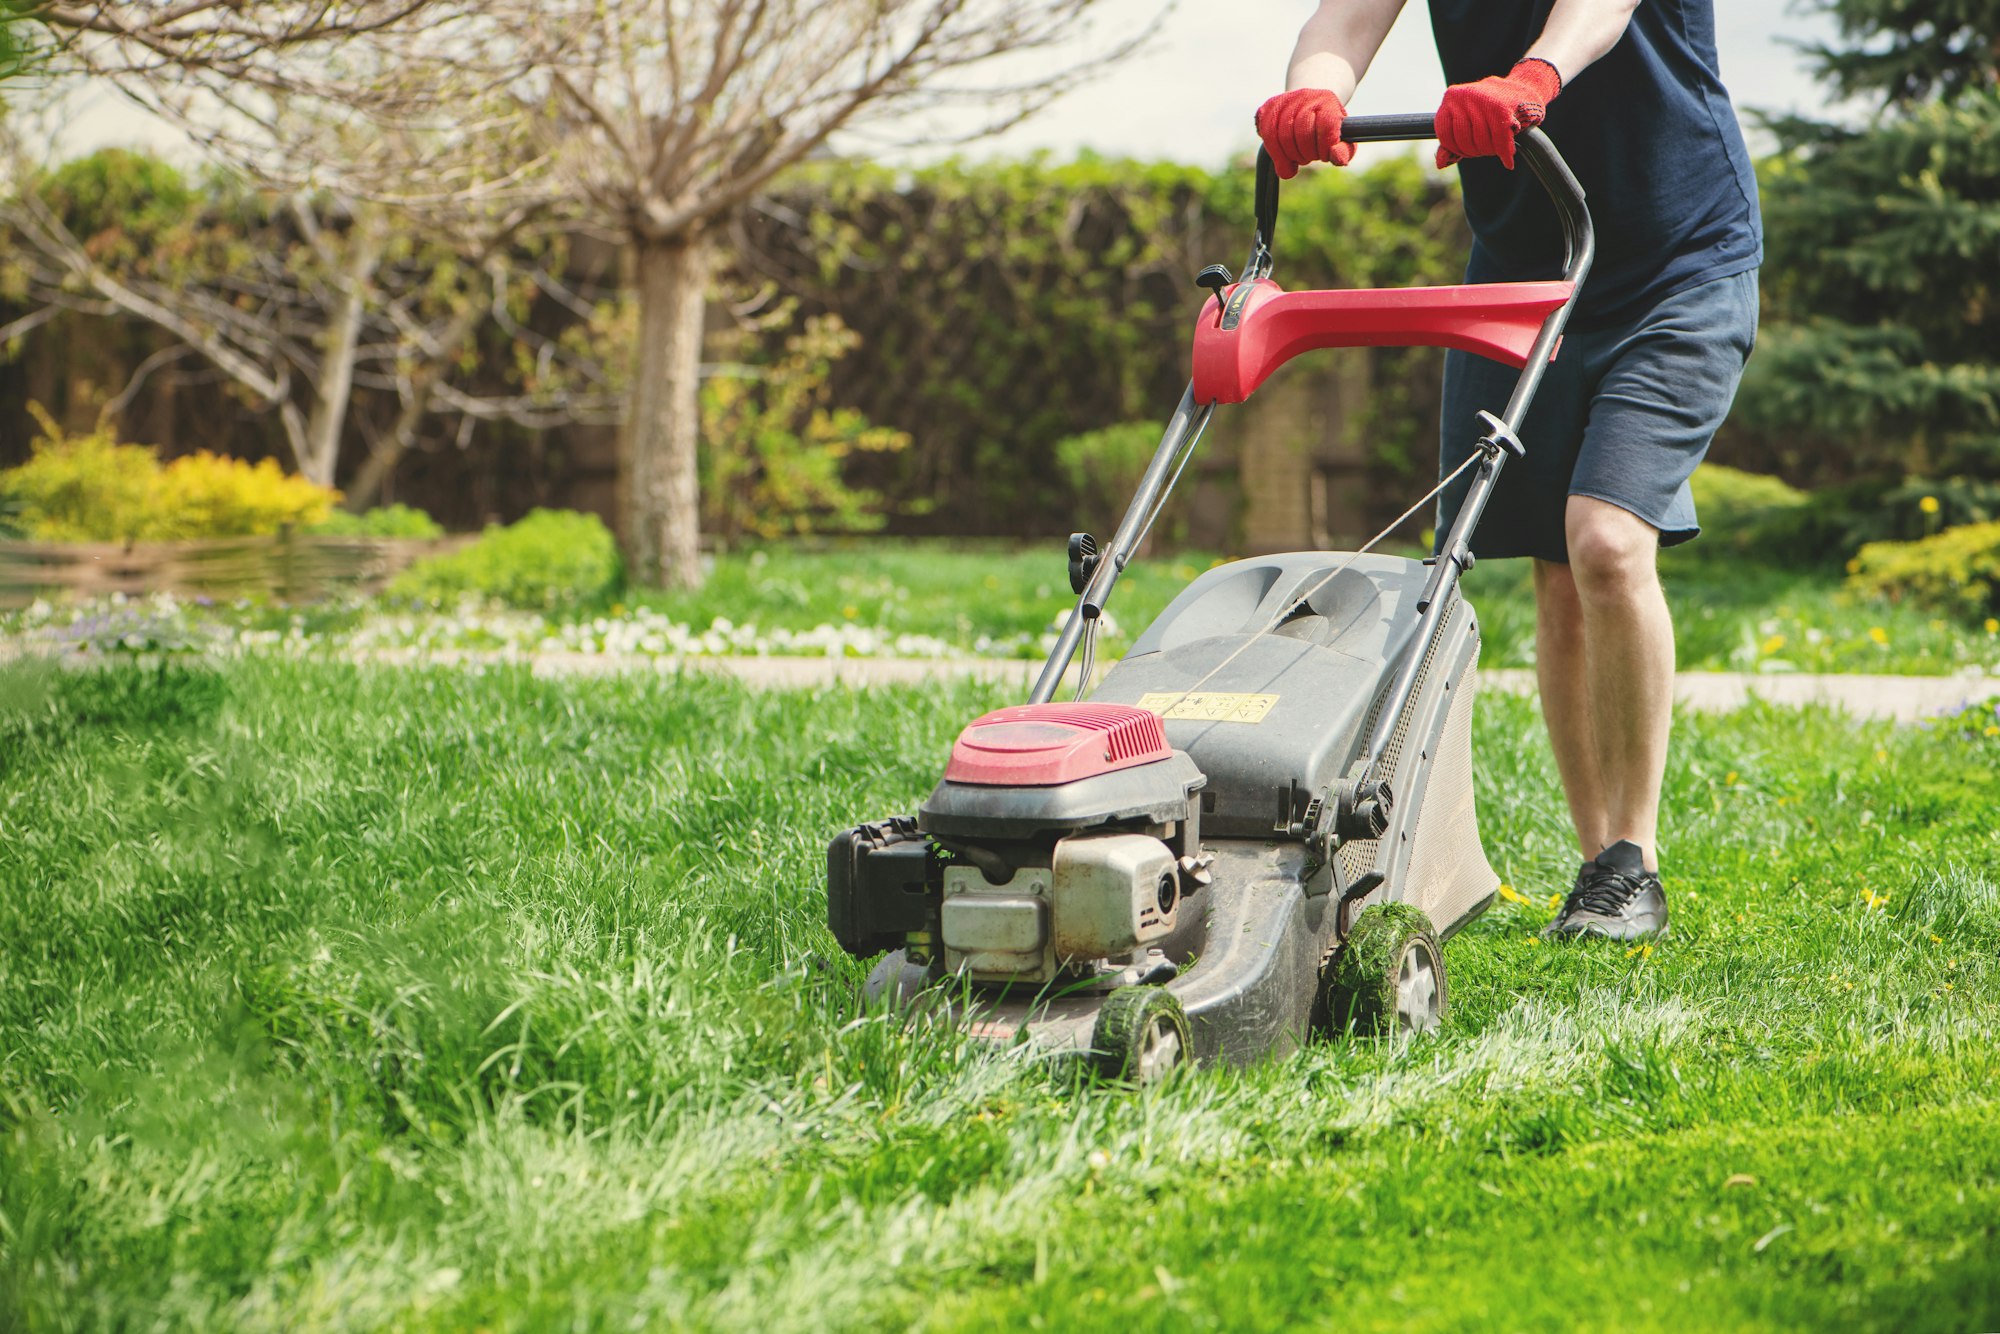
(1082, 561)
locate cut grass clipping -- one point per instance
(353, 998)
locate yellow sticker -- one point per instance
(1210, 706)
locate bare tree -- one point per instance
(660, 117)
(351, 111)
(651, 120)
(160, 38)
(300, 300)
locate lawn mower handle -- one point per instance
(1191, 418)
(1534, 148)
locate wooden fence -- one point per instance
(290, 568)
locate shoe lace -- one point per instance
(1603, 891)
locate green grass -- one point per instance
(953, 591)
(1729, 614)
(346, 998)
(1736, 615)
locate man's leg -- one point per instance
(1626, 684)
(1565, 688)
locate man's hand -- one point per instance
(1303, 126)
(1481, 119)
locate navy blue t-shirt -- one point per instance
(1651, 136)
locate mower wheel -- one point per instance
(1387, 977)
(1141, 1034)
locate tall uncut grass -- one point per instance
(345, 998)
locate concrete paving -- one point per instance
(1902, 698)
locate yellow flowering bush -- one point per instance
(85, 488)
(1958, 570)
(207, 495)
(91, 488)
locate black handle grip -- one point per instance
(1267, 203)
(1387, 129)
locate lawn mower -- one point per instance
(1260, 824)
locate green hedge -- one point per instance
(1006, 307)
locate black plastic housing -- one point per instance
(880, 886)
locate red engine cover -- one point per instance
(1041, 745)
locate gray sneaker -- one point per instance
(1615, 897)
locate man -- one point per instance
(1631, 95)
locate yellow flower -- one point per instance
(1854, 567)
(1992, 729)
(1937, 940)
(1992, 626)
(1773, 644)
(1876, 902)
(1929, 504)
(1729, 779)
(850, 611)
(1878, 634)
(1555, 900)
(1642, 951)
(1513, 895)
(1881, 756)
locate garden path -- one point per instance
(1901, 698)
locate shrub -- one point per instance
(775, 448)
(84, 488)
(383, 521)
(207, 495)
(551, 559)
(1103, 467)
(1737, 508)
(1957, 570)
(91, 488)
(1833, 524)
(1731, 500)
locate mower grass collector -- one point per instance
(1260, 824)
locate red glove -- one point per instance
(1303, 126)
(1481, 119)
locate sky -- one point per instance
(1188, 96)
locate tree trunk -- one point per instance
(658, 491)
(333, 387)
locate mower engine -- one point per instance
(1061, 844)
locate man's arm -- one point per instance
(1481, 119)
(1340, 40)
(1581, 32)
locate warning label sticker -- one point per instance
(1211, 706)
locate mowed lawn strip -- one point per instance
(335, 997)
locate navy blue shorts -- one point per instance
(1624, 414)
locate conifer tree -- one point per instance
(1881, 336)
